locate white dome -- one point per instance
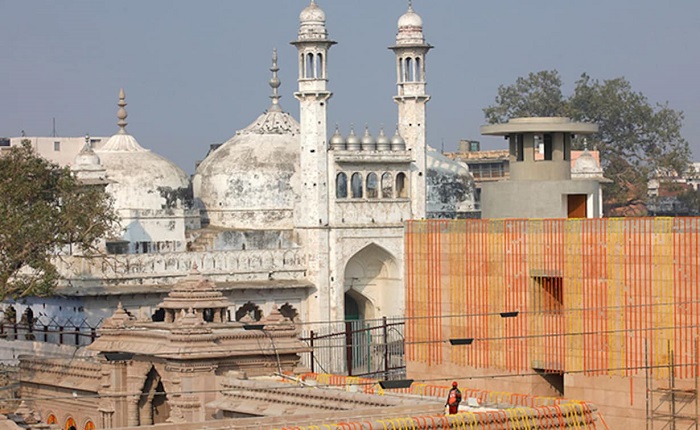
(252, 180)
(410, 20)
(450, 186)
(138, 178)
(312, 14)
(586, 165)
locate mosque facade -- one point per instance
(285, 214)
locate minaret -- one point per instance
(313, 45)
(312, 214)
(411, 50)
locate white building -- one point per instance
(282, 214)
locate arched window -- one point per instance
(52, 419)
(402, 70)
(401, 186)
(372, 186)
(341, 186)
(89, 425)
(309, 66)
(409, 70)
(419, 71)
(356, 185)
(70, 424)
(250, 309)
(387, 186)
(319, 66)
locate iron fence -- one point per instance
(368, 348)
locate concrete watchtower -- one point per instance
(540, 184)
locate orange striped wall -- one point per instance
(592, 295)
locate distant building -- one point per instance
(535, 167)
(59, 150)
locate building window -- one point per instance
(549, 294)
(341, 186)
(419, 72)
(57, 146)
(387, 186)
(409, 70)
(543, 147)
(4, 141)
(401, 186)
(516, 147)
(372, 186)
(249, 309)
(356, 185)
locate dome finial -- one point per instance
(121, 113)
(275, 83)
(410, 5)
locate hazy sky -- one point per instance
(194, 72)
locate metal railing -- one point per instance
(369, 348)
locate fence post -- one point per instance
(2, 328)
(311, 342)
(46, 333)
(348, 346)
(93, 334)
(385, 332)
(77, 336)
(60, 335)
(15, 330)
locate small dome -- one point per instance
(337, 140)
(87, 157)
(383, 141)
(397, 142)
(410, 20)
(312, 14)
(586, 167)
(368, 142)
(353, 143)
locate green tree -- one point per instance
(635, 139)
(44, 210)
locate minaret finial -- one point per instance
(410, 5)
(121, 113)
(275, 83)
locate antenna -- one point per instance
(54, 127)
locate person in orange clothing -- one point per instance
(454, 398)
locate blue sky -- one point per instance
(194, 72)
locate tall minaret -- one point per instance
(313, 45)
(312, 214)
(411, 50)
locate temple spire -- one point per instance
(121, 113)
(275, 84)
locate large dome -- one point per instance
(252, 181)
(450, 186)
(140, 179)
(137, 178)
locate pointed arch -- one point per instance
(153, 405)
(387, 186)
(372, 186)
(356, 185)
(341, 186)
(401, 186)
(372, 281)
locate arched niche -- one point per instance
(371, 282)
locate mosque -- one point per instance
(284, 215)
